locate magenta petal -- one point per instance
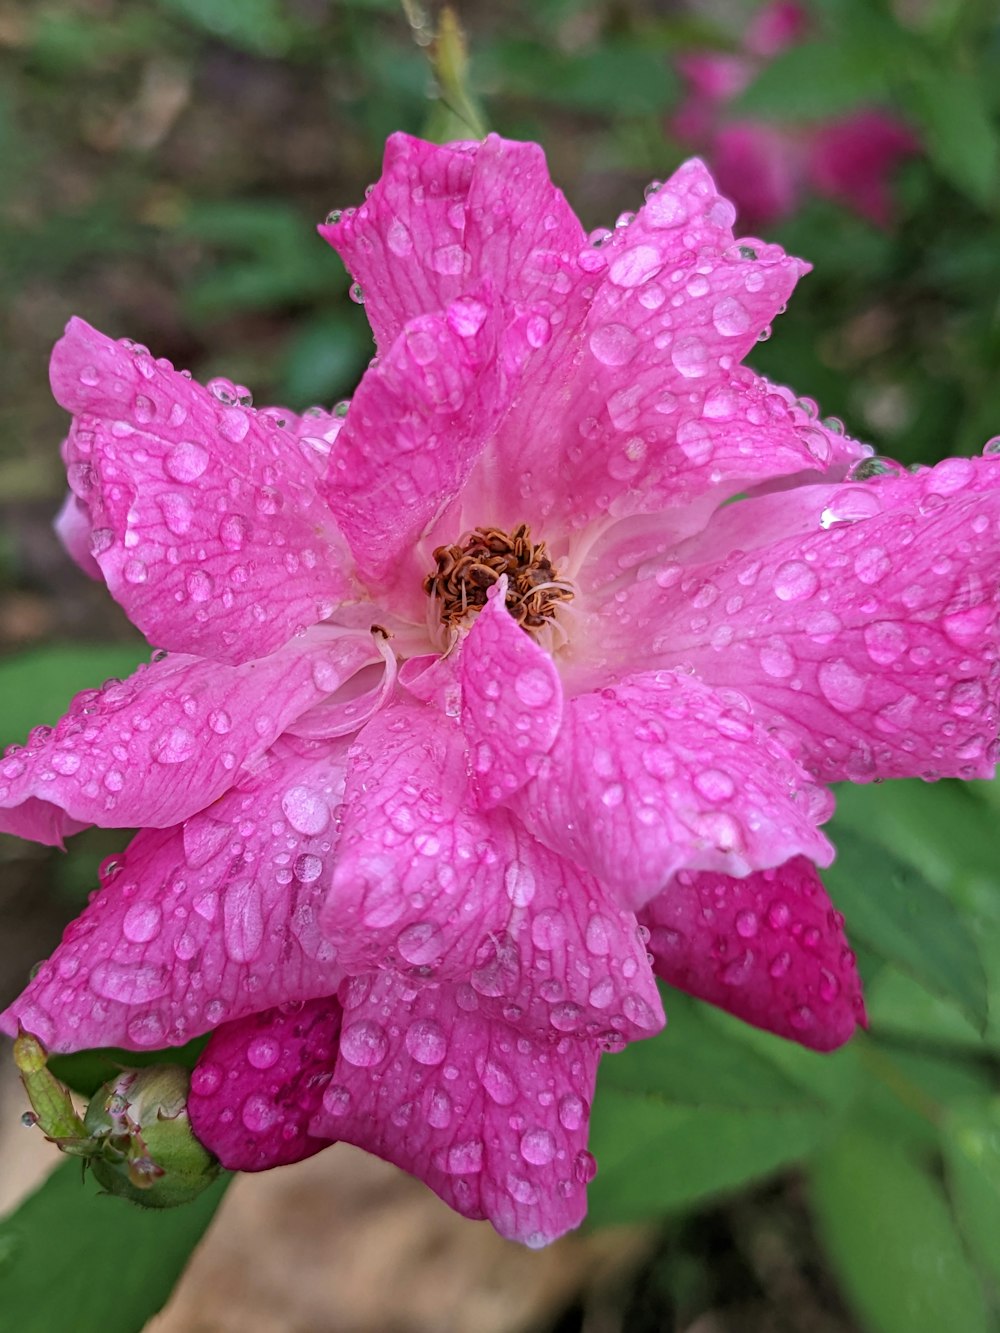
(443, 218)
(571, 961)
(419, 876)
(427, 885)
(260, 1081)
(860, 619)
(769, 948)
(74, 529)
(493, 1122)
(207, 523)
(413, 432)
(201, 924)
(511, 700)
(155, 748)
(661, 773)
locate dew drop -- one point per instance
(635, 265)
(613, 344)
(426, 1042)
(141, 923)
(186, 461)
(730, 317)
(538, 1147)
(306, 811)
(690, 357)
(263, 1052)
(364, 1044)
(794, 581)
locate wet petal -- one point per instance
(428, 886)
(260, 1081)
(495, 1123)
(647, 407)
(444, 217)
(861, 619)
(74, 529)
(661, 773)
(769, 948)
(511, 700)
(570, 961)
(206, 520)
(414, 429)
(199, 925)
(419, 876)
(155, 748)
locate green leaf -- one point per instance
(892, 908)
(701, 1063)
(900, 1006)
(971, 1144)
(697, 1111)
(73, 1259)
(961, 139)
(36, 687)
(623, 75)
(261, 26)
(892, 1241)
(325, 358)
(816, 80)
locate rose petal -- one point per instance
(511, 700)
(259, 1082)
(860, 619)
(206, 520)
(661, 773)
(198, 925)
(155, 748)
(441, 218)
(412, 434)
(494, 1123)
(769, 948)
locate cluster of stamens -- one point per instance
(468, 569)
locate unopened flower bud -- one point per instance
(150, 1154)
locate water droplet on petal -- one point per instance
(690, 357)
(263, 1052)
(307, 811)
(538, 1147)
(141, 923)
(730, 317)
(426, 1042)
(794, 581)
(614, 344)
(635, 265)
(364, 1044)
(186, 461)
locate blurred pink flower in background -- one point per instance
(765, 167)
(483, 703)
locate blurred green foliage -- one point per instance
(166, 162)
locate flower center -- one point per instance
(468, 569)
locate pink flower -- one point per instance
(481, 692)
(766, 168)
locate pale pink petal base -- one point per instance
(769, 948)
